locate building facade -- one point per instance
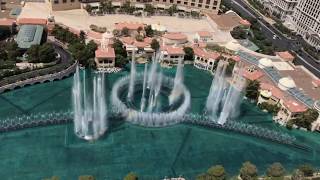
(306, 19)
(211, 6)
(280, 8)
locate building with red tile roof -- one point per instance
(269, 94)
(204, 59)
(290, 109)
(236, 58)
(285, 56)
(140, 47)
(171, 55)
(316, 83)
(105, 57)
(203, 36)
(32, 21)
(174, 38)
(252, 74)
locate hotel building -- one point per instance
(306, 19)
(211, 6)
(280, 8)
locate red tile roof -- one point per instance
(105, 53)
(285, 56)
(236, 58)
(316, 82)
(204, 34)
(245, 22)
(276, 92)
(94, 35)
(127, 40)
(175, 36)
(204, 54)
(256, 74)
(147, 40)
(129, 25)
(173, 50)
(294, 106)
(140, 44)
(35, 21)
(6, 22)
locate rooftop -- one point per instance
(173, 50)
(204, 33)
(6, 22)
(294, 106)
(205, 54)
(105, 53)
(276, 92)
(129, 25)
(29, 35)
(32, 21)
(175, 36)
(228, 20)
(252, 75)
(285, 55)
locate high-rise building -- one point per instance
(211, 6)
(280, 8)
(306, 19)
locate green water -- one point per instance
(152, 153)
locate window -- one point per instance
(200, 1)
(171, 1)
(179, 2)
(207, 7)
(192, 4)
(185, 3)
(56, 1)
(64, 1)
(199, 5)
(207, 1)
(215, 2)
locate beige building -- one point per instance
(306, 20)
(171, 55)
(280, 8)
(62, 5)
(211, 6)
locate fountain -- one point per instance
(217, 90)
(132, 77)
(178, 82)
(153, 83)
(90, 112)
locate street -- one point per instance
(282, 42)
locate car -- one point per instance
(275, 36)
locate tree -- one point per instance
(107, 7)
(231, 64)
(92, 47)
(149, 31)
(46, 53)
(276, 170)
(5, 32)
(121, 53)
(248, 171)
(306, 118)
(188, 54)
(89, 8)
(252, 90)
(297, 175)
(125, 31)
(131, 176)
(139, 38)
(155, 44)
(127, 8)
(217, 172)
(82, 36)
(307, 170)
(3, 53)
(116, 32)
(140, 29)
(12, 50)
(33, 53)
(239, 33)
(172, 9)
(149, 9)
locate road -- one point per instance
(282, 42)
